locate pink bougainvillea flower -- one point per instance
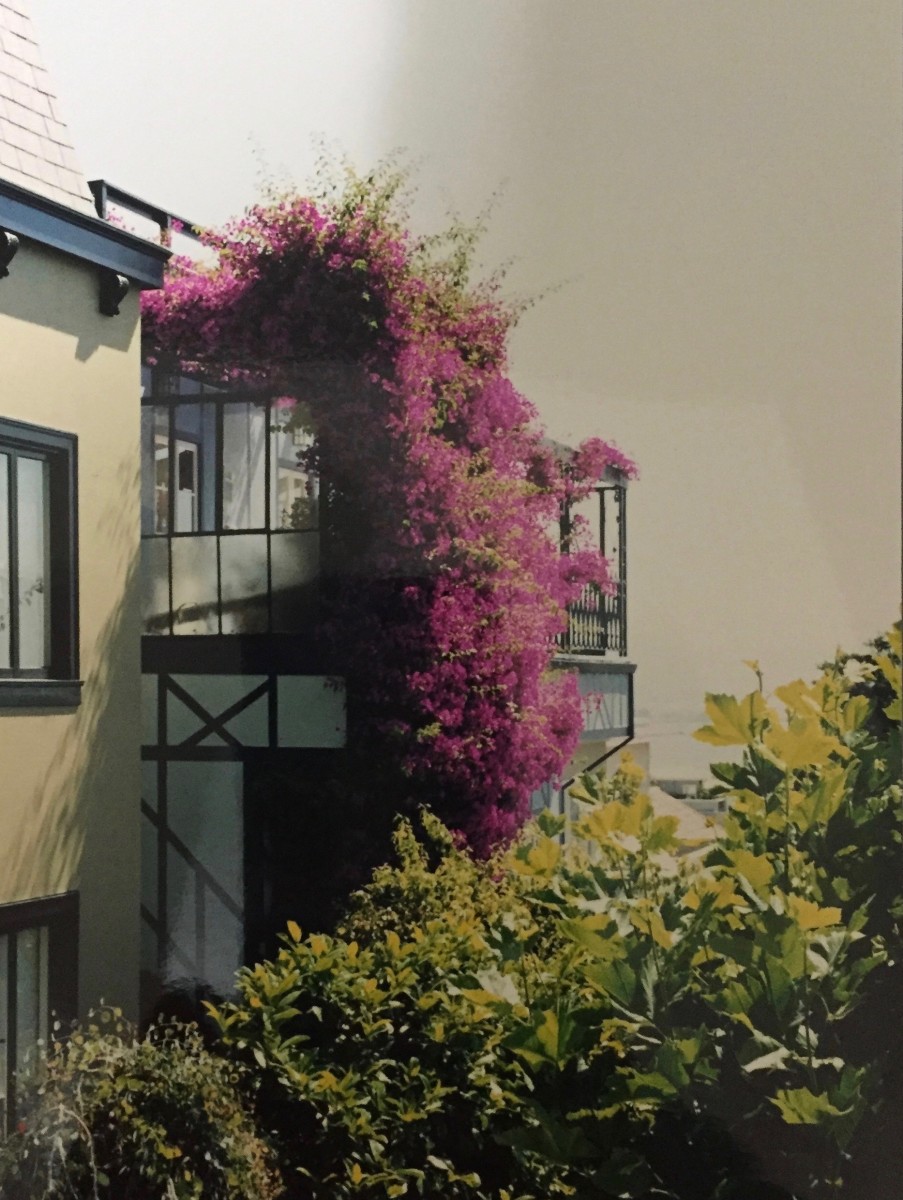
(446, 589)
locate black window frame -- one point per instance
(59, 914)
(164, 389)
(59, 686)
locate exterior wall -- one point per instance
(69, 801)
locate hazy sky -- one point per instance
(716, 188)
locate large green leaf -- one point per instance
(615, 978)
(732, 723)
(800, 1106)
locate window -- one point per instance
(38, 980)
(230, 510)
(38, 598)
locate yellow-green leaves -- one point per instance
(800, 1106)
(757, 869)
(818, 805)
(538, 859)
(646, 918)
(615, 817)
(809, 916)
(732, 722)
(891, 671)
(804, 743)
(596, 933)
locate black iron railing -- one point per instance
(597, 623)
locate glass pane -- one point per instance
(194, 585)
(294, 491)
(155, 471)
(205, 815)
(187, 497)
(31, 997)
(244, 466)
(181, 905)
(243, 563)
(148, 957)
(4, 561)
(34, 564)
(185, 448)
(311, 711)
(4, 1027)
(295, 571)
(149, 865)
(149, 784)
(155, 585)
(207, 467)
(148, 469)
(215, 694)
(181, 721)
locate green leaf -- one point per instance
(756, 868)
(541, 859)
(800, 1106)
(809, 916)
(732, 723)
(615, 978)
(587, 932)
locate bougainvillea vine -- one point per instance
(443, 582)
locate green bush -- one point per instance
(121, 1118)
(601, 1012)
(384, 1073)
(623, 1015)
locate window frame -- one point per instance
(59, 914)
(164, 393)
(59, 686)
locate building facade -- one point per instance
(69, 585)
(181, 667)
(243, 726)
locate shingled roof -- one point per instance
(35, 147)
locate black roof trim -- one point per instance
(83, 236)
(106, 193)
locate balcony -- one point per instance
(597, 619)
(597, 623)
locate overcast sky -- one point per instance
(715, 187)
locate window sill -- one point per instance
(40, 693)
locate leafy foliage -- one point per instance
(601, 1011)
(122, 1118)
(443, 588)
(384, 1066)
(619, 1014)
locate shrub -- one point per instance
(613, 1016)
(122, 1118)
(382, 1068)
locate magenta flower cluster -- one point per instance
(443, 579)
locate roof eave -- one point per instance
(84, 237)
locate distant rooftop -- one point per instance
(35, 147)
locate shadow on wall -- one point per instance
(52, 307)
(83, 828)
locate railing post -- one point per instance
(622, 567)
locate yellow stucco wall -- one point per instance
(69, 810)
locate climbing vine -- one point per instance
(443, 585)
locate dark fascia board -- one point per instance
(598, 666)
(83, 236)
